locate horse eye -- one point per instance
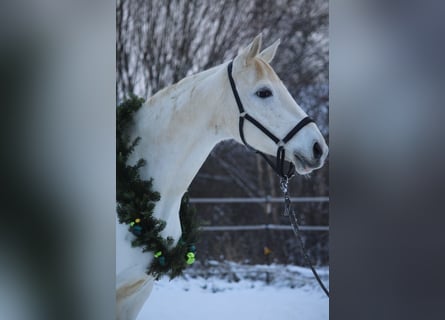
(264, 93)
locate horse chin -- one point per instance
(302, 167)
(302, 170)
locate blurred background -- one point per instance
(160, 42)
(57, 161)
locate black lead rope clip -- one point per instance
(284, 182)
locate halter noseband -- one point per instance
(278, 167)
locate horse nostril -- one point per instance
(317, 151)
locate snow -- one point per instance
(233, 291)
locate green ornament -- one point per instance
(158, 254)
(190, 258)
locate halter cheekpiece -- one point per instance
(278, 166)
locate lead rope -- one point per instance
(278, 167)
(289, 212)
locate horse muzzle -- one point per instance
(306, 162)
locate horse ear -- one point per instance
(268, 53)
(252, 50)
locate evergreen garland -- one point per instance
(136, 202)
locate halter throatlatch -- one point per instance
(279, 165)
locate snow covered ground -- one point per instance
(232, 291)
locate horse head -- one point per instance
(276, 116)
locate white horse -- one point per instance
(181, 124)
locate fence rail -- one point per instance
(262, 227)
(267, 200)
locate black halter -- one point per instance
(278, 167)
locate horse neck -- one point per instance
(179, 126)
